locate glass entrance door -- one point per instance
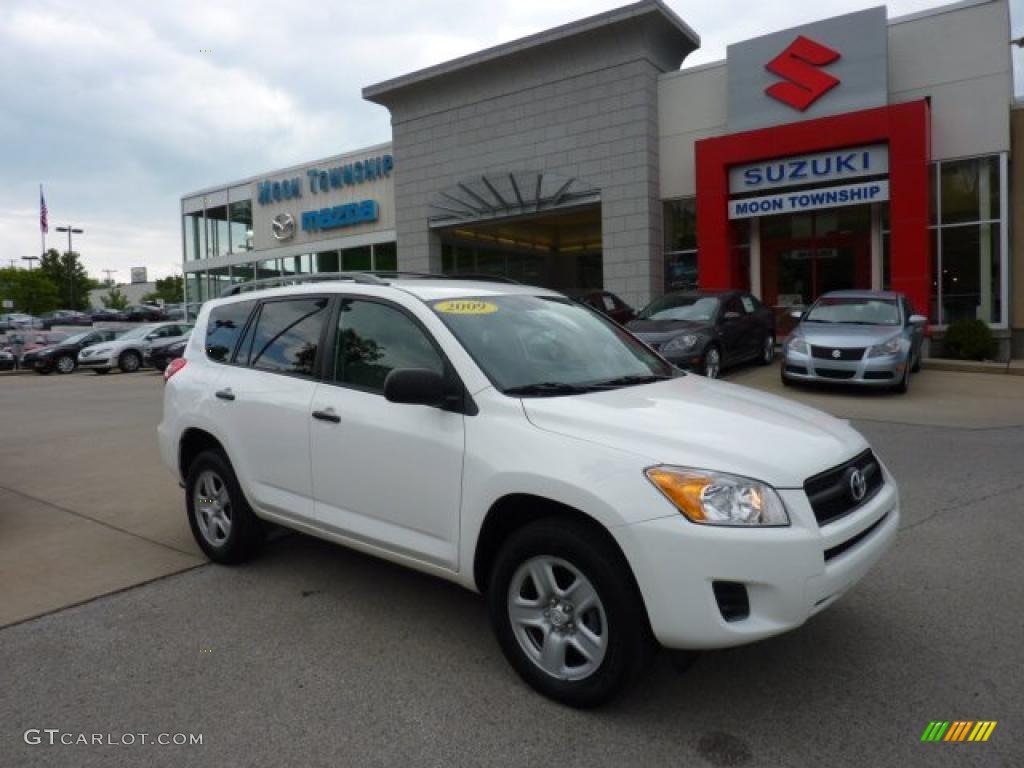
(804, 255)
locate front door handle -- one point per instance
(225, 394)
(328, 414)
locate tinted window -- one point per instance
(748, 303)
(223, 329)
(374, 339)
(287, 335)
(734, 305)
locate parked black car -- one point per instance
(63, 356)
(706, 331)
(606, 303)
(7, 361)
(64, 317)
(108, 315)
(160, 356)
(144, 313)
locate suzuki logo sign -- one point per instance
(799, 66)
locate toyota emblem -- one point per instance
(858, 485)
(836, 354)
(283, 226)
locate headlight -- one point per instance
(890, 347)
(713, 498)
(680, 343)
(798, 345)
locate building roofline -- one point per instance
(939, 10)
(277, 171)
(608, 18)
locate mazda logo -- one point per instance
(836, 354)
(283, 226)
(858, 485)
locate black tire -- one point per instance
(705, 370)
(65, 364)
(129, 361)
(101, 371)
(246, 530)
(903, 386)
(916, 368)
(782, 375)
(160, 366)
(629, 643)
(767, 354)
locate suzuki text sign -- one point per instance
(815, 168)
(831, 66)
(809, 199)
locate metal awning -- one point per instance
(500, 195)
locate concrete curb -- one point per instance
(968, 366)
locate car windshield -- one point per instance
(548, 345)
(851, 310)
(677, 307)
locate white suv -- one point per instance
(517, 443)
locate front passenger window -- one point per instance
(374, 339)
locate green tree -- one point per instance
(114, 299)
(170, 289)
(31, 291)
(67, 274)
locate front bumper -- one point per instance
(99, 361)
(789, 574)
(866, 372)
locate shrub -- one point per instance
(969, 340)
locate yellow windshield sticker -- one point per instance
(463, 307)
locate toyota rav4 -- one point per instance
(521, 445)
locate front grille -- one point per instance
(833, 374)
(845, 353)
(853, 541)
(731, 596)
(830, 492)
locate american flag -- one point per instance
(44, 225)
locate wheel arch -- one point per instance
(193, 442)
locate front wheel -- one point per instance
(712, 362)
(767, 350)
(129, 362)
(904, 384)
(65, 364)
(567, 613)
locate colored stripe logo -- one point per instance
(958, 730)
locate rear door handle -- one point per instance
(328, 414)
(225, 394)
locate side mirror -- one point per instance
(731, 316)
(415, 386)
(797, 314)
(918, 320)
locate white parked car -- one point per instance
(128, 351)
(510, 440)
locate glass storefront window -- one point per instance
(681, 224)
(970, 190)
(218, 239)
(268, 268)
(327, 261)
(243, 273)
(195, 243)
(385, 257)
(356, 259)
(219, 280)
(240, 216)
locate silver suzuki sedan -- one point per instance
(868, 338)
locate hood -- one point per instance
(696, 422)
(836, 335)
(665, 329)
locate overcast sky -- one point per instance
(117, 108)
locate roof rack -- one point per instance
(271, 282)
(377, 277)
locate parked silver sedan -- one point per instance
(868, 338)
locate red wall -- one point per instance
(904, 127)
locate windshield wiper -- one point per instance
(631, 380)
(549, 389)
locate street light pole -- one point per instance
(71, 261)
(30, 259)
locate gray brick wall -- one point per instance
(585, 107)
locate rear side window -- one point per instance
(287, 336)
(223, 329)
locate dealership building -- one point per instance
(858, 151)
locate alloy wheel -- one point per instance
(213, 507)
(558, 618)
(131, 362)
(712, 363)
(65, 364)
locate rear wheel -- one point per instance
(129, 362)
(221, 519)
(567, 613)
(712, 364)
(65, 364)
(767, 350)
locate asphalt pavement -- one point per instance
(315, 655)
